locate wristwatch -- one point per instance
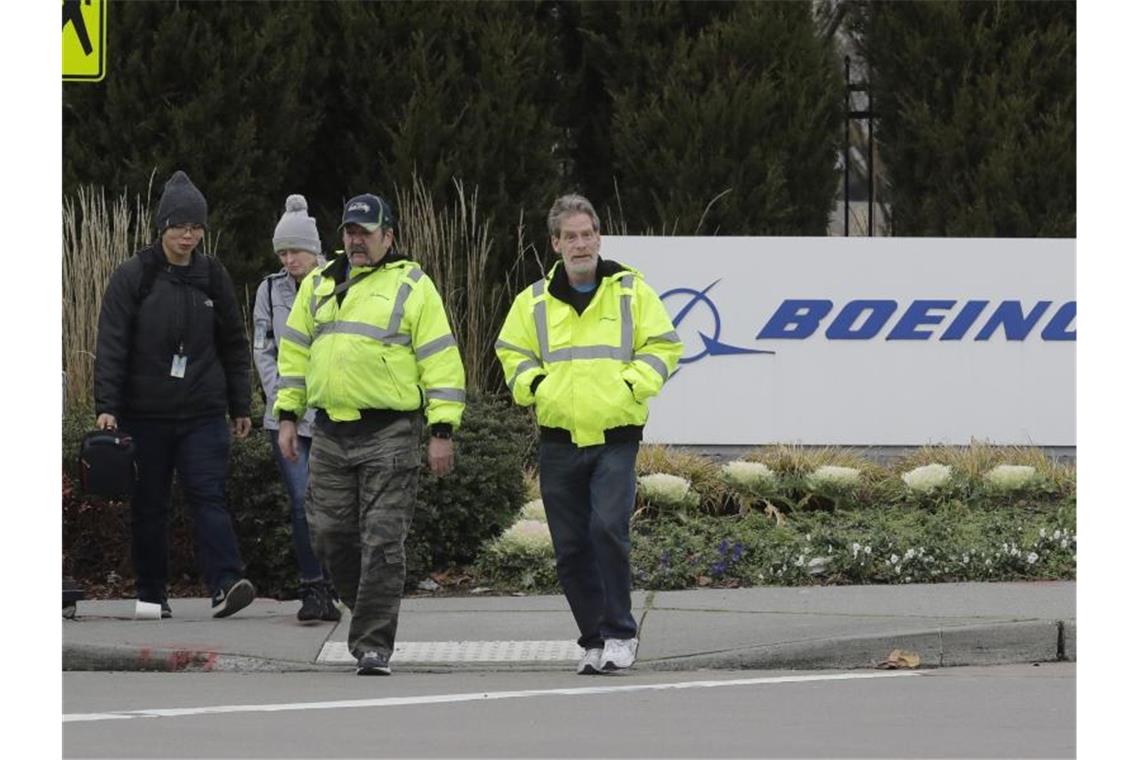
(441, 430)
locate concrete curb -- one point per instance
(992, 644)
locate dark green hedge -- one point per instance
(454, 514)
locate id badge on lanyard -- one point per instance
(178, 364)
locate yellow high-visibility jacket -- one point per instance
(387, 345)
(597, 368)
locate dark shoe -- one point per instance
(316, 604)
(330, 612)
(229, 599)
(373, 664)
(166, 613)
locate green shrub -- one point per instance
(521, 559)
(454, 514)
(484, 493)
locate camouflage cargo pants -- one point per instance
(361, 498)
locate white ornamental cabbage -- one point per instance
(531, 535)
(748, 475)
(533, 510)
(665, 490)
(1009, 477)
(927, 478)
(833, 475)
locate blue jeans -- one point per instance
(588, 496)
(199, 450)
(296, 478)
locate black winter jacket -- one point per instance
(137, 343)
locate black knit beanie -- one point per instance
(181, 203)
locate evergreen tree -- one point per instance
(229, 92)
(732, 129)
(975, 107)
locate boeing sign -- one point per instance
(864, 341)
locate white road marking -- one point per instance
(469, 697)
(336, 652)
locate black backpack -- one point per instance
(107, 466)
(150, 273)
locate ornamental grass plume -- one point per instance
(665, 490)
(528, 535)
(927, 478)
(749, 476)
(833, 475)
(1010, 477)
(533, 510)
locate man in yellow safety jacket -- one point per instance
(368, 345)
(588, 346)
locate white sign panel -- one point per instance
(864, 341)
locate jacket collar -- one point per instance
(560, 283)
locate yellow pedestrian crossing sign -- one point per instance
(84, 40)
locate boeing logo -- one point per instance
(710, 344)
(866, 319)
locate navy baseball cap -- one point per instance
(369, 211)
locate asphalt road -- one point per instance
(1000, 711)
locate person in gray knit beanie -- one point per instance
(297, 230)
(181, 203)
(298, 247)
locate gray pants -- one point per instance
(362, 495)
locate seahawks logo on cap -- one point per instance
(358, 206)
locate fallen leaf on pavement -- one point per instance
(899, 658)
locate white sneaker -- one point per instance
(619, 654)
(591, 663)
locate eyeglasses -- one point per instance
(186, 229)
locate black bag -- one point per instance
(107, 465)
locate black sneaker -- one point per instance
(229, 599)
(330, 612)
(314, 599)
(166, 613)
(373, 664)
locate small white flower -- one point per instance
(527, 534)
(1056, 535)
(894, 559)
(1031, 557)
(927, 478)
(1009, 477)
(909, 554)
(867, 549)
(748, 475)
(800, 561)
(855, 547)
(965, 559)
(1064, 543)
(667, 490)
(833, 475)
(1041, 533)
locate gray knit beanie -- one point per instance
(181, 203)
(297, 229)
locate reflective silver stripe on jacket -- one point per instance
(401, 298)
(523, 367)
(342, 327)
(654, 362)
(525, 352)
(298, 337)
(290, 381)
(623, 353)
(435, 346)
(447, 394)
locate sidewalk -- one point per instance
(761, 628)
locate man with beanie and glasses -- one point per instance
(171, 360)
(298, 248)
(369, 346)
